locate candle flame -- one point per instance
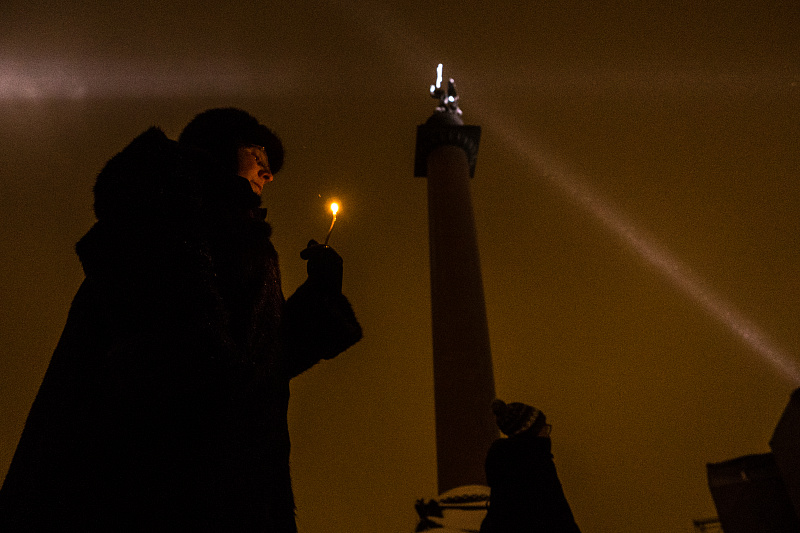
(334, 208)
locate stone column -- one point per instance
(463, 376)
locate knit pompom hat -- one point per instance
(514, 418)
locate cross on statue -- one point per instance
(448, 98)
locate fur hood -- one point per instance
(157, 195)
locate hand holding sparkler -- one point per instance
(324, 264)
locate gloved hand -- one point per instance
(324, 267)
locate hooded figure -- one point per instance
(165, 402)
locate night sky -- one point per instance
(636, 197)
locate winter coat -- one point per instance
(526, 494)
(164, 406)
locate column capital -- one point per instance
(442, 130)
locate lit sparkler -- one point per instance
(334, 210)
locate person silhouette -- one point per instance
(164, 406)
(525, 492)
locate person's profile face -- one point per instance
(254, 166)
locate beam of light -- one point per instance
(680, 275)
(407, 47)
(35, 79)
